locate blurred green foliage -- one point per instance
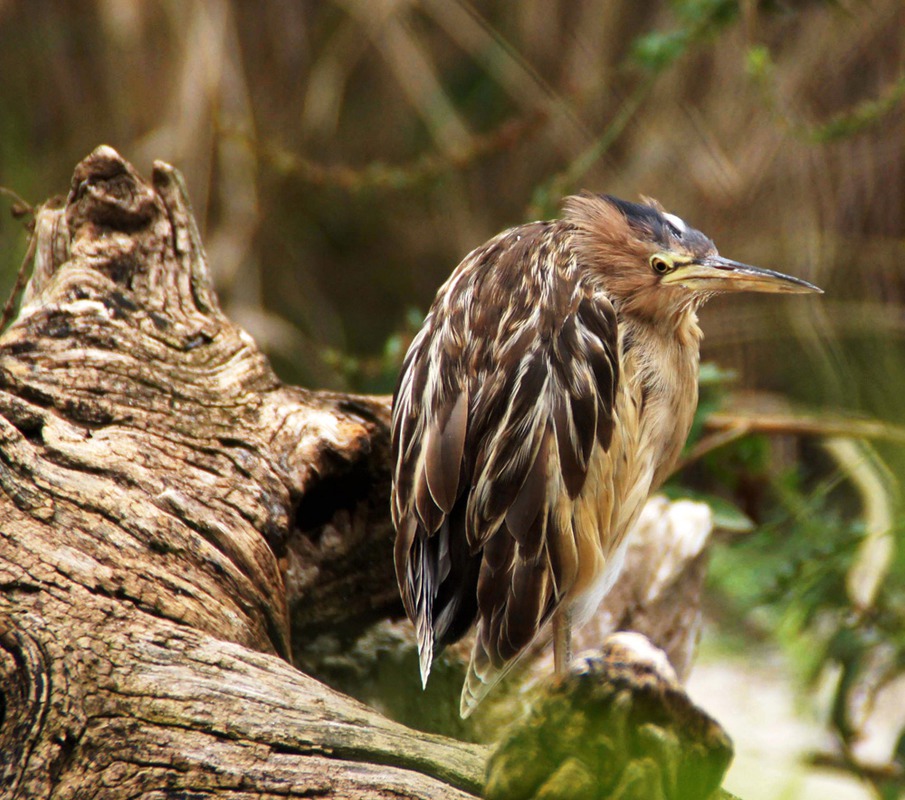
(697, 19)
(809, 572)
(344, 155)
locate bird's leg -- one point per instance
(562, 640)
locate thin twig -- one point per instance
(19, 286)
(712, 442)
(728, 427)
(804, 425)
(875, 773)
(20, 207)
(380, 175)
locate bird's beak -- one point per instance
(718, 274)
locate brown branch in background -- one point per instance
(878, 774)
(19, 209)
(21, 279)
(380, 175)
(727, 427)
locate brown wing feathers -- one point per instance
(443, 446)
(503, 396)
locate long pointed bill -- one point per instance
(718, 274)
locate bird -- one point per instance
(548, 393)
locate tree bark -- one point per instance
(158, 483)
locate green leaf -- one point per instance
(728, 516)
(759, 62)
(712, 374)
(656, 51)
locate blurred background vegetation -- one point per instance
(344, 155)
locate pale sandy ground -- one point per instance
(756, 703)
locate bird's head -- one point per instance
(654, 263)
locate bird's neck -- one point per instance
(660, 365)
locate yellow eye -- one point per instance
(660, 265)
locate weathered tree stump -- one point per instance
(166, 501)
(153, 470)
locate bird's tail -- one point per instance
(425, 633)
(421, 576)
(482, 676)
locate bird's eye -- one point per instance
(660, 266)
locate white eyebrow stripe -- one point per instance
(678, 224)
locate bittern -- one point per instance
(548, 393)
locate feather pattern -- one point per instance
(513, 484)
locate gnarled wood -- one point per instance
(154, 473)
